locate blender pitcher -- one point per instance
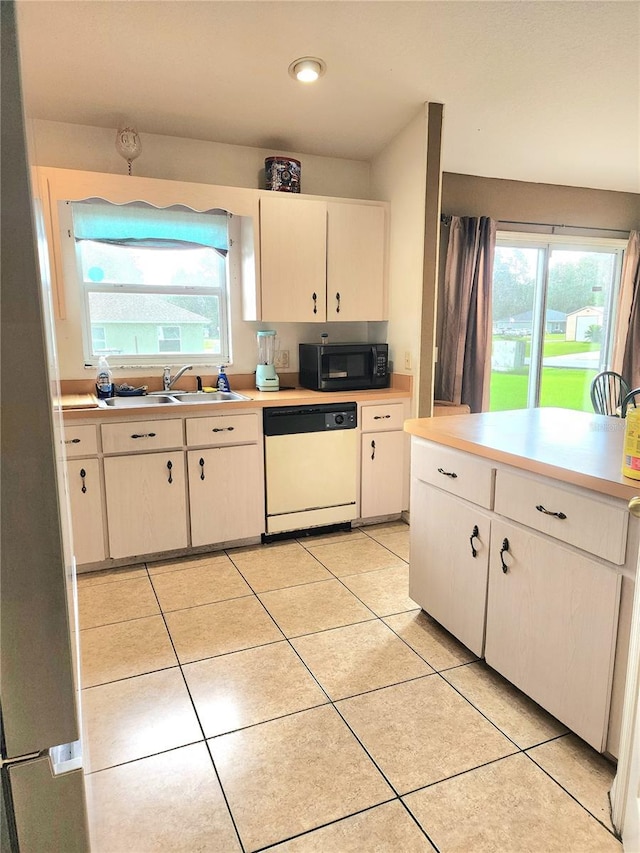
(266, 376)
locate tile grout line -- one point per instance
(332, 704)
(204, 738)
(573, 797)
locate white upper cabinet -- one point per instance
(293, 247)
(356, 238)
(322, 260)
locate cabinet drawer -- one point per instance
(594, 525)
(223, 429)
(80, 440)
(389, 416)
(454, 471)
(140, 436)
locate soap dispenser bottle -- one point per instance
(223, 381)
(104, 379)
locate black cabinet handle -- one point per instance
(73, 441)
(338, 301)
(223, 429)
(201, 464)
(315, 303)
(373, 450)
(381, 417)
(144, 435)
(559, 515)
(83, 474)
(169, 467)
(451, 474)
(504, 550)
(475, 534)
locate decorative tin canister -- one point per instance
(282, 174)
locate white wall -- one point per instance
(398, 175)
(71, 146)
(92, 149)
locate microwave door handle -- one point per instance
(374, 361)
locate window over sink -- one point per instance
(154, 282)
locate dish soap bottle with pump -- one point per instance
(223, 382)
(104, 379)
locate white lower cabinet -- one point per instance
(552, 620)
(382, 473)
(450, 562)
(146, 503)
(226, 494)
(85, 497)
(542, 612)
(383, 454)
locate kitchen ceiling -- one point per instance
(536, 91)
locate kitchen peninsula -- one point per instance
(523, 547)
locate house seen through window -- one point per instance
(153, 281)
(553, 319)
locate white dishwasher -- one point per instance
(311, 456)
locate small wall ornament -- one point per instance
(128, 144)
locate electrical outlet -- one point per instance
(407, 360)
(282, 358)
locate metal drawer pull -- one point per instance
(201, 464)
(451, 474)
(83, 474)
(169, 467)
(144, 435)
(560, 515)
(315, 303)
(504, 550)
(475, 534)
(222, 429)
(381, 417)
(73, 441)
(338, 306)
(373, 449)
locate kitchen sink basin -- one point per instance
(208, 396)
(138, 400)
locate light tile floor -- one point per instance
(292, 696)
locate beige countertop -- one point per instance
(575, 447)
(257, 399)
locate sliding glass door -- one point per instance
(553, 319)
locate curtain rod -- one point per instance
(446, 220)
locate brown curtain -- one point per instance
(626, 351)
(463, 371)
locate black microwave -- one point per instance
(344, 367)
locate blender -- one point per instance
(266, 376)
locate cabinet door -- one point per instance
(356, 262)
(226, 493)
(382, 472)
(446, 577)
(85, 497)
(146, 503)
(551, 627)
(293, 259)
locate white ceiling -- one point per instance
(545, 91)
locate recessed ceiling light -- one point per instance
(307, 69)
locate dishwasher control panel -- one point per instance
(288, 420)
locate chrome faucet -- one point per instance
(168, 380)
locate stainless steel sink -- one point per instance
(208, 396)
(139, 400)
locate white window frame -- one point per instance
(545, 243)
(161, 337)
(152, 359)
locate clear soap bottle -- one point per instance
(104, 379)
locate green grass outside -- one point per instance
(567, 388)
